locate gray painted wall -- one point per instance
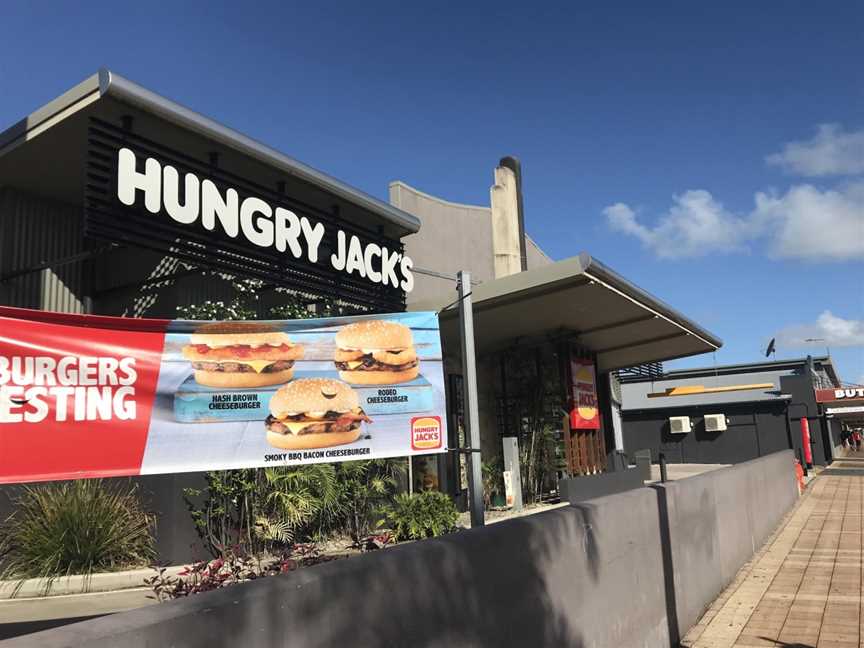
(632, 569)
(452, 237)
(754, 430)
(33, 231)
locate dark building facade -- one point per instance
(761, 406)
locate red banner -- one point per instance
(88, 396)
(75, 401)
(584, 410)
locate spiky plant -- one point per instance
(75, 527)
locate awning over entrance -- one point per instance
(581, 299)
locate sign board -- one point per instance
(839, 394)
(859, 409)
(88, 396)
(508, 487)
(204, 213)
(584, 411)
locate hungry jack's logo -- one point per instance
(584, 413)
(426, 432)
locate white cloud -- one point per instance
(804, 223)
(835, 331)
(832, 151)
(808, 223)
(695, 225)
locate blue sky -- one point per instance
(711, 153)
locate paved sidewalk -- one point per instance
(804, 587)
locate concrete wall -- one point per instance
(452, 237)
(534, 256)
(632, 569)
(717, 520)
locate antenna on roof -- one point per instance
(770, 349)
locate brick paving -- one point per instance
(803, 589)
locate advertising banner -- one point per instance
(89, 396)
(584, 413)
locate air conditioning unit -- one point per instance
(715, 422)
(679, 424)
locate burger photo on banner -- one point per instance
(314, 413)
(299, 391)
(376, 352)
(237, 355)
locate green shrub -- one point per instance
(263, 510)
(421, 515)
(363, 487)
(267, 510)
(75, 527)
(493, 480)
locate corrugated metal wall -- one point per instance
(34, 231)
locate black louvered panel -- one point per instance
(106, 218)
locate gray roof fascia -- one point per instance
(107, 83)
(122, 89)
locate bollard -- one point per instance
(803, 465)
(662, 459)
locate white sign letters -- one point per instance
(255, 220)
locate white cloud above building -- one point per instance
(830, 330)
(804, 222)
(831, 151)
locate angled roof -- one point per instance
(109, 86)
(635, 390)
(822, 363)
(634, 395)
(582, 299)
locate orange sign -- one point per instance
(426, 432)
(584, 410)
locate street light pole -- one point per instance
(472, 414)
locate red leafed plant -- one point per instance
(233, 567)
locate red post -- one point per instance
(805, 441)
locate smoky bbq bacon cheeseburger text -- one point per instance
(236, 355)
(376, 352)
(314, 413)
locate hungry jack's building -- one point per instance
(94, 218)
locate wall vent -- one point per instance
(679, 424)
(715, 422)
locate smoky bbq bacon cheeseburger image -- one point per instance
(376, 352)
(314, 413)
(236, 355)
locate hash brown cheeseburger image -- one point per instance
(237, 355)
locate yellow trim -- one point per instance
(689, 390)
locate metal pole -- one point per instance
(472, 415)
(663, 476)
(410, 476)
